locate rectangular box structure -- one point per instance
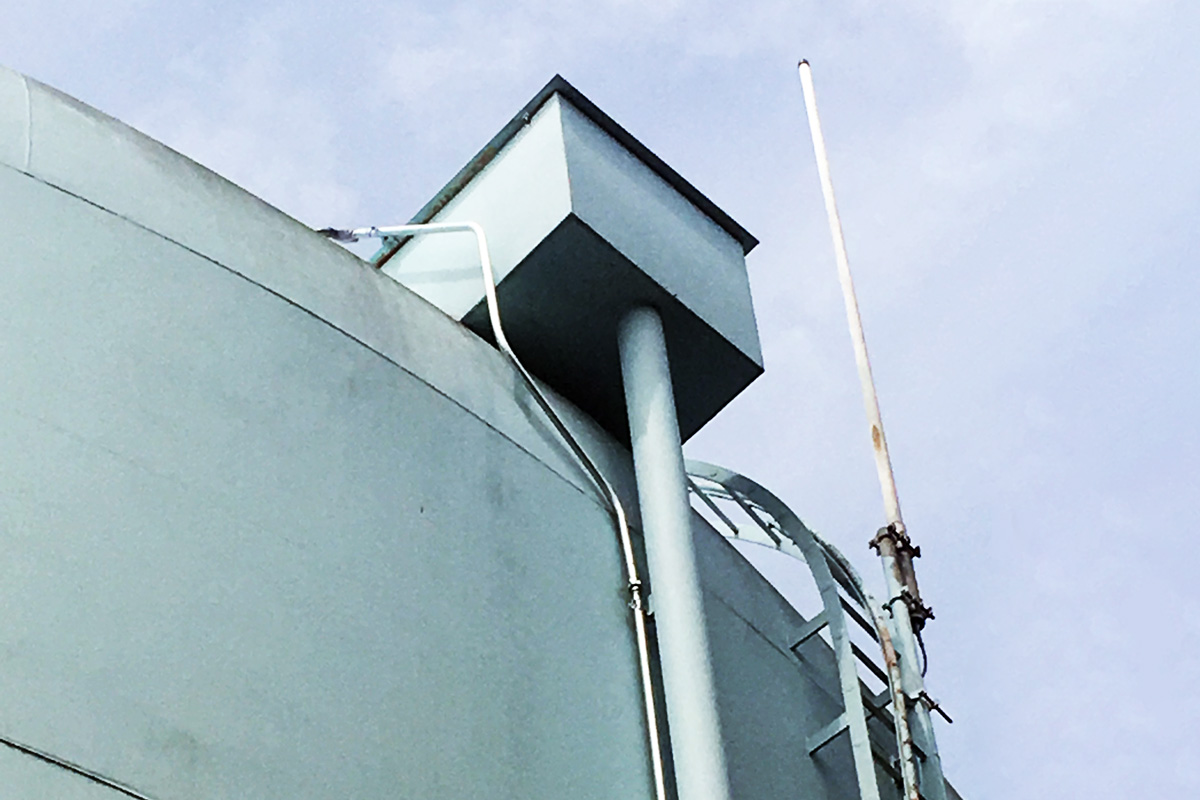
(584, 223)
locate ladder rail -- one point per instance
(758, 503)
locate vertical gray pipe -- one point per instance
(933, 782)
(667, 526)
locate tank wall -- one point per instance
(249, 556)
(68, 145)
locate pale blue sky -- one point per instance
(1019, 182)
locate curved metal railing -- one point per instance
(843, 599)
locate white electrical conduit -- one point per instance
(634, 583)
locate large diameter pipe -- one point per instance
(692, 719)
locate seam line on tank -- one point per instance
(761, 634)
(590, 496)
(83, 772)
(790, 656)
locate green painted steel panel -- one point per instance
(660, 231)
(14, 119)
(27, 778)
(248, 556)
(521, 194)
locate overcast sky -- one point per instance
(1019, 183)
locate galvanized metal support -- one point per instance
(696, 743)
(932, 782)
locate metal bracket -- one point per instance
(828, 733)
(896, 532)
(892, 542)
(811, 629)
(932, 705)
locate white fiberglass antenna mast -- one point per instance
(895, 548)
(883, 461)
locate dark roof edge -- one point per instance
(559, 85)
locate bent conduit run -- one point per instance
(633, 581)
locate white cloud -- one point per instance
(434, 53)
(439, 53)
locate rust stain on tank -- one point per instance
(877, 437)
